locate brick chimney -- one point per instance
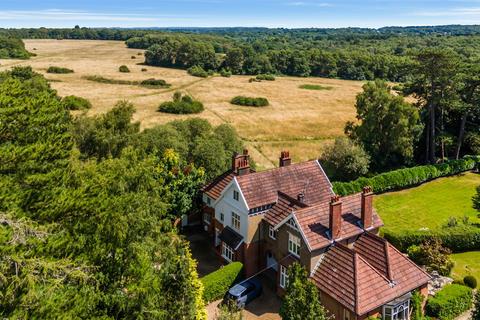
(241, 163)
(367, 207)
(335, 217)
(285, 159)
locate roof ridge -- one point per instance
(408, 259)
(278, 168)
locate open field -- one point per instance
(429, 205)
(466, 263)
(297, 119)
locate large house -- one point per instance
(270, 219)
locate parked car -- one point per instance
(244, 292)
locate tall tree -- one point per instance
(301, 301)
(433, 85)
(388, 126)
(470, 97)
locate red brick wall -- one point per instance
(251, 258)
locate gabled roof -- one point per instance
(315, 221)
(282, 209)
(261, 188)
(348, 276)
(214, 188)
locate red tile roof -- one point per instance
(314, 221)
(260, 188)
(282, 208)
(215, 188)
(351, 277)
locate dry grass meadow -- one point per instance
(299, 120)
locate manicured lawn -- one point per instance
(466, 263)
(429, 205)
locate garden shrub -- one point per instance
(124, 68)
(225, 73)
(217, 283)
(156, 83)
(450, 302)
(181, 105)
(470, 281)
(405, 178)
(432, 255)
(267, 77)
(249, 101)
(197, 71)
(76, 103)
(54, 69)
(457, 239)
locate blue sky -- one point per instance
(214, 13)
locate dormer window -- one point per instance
(235, 195)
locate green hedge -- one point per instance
(217, 283)
(249, 102)
(404, 178)
(450, 302)
(266, 77)
(54, 69)
(155, 83)
(457, 239)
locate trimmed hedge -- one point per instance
(470, 281)
(404, 178)
(450, 302)
(249, 102)
(217, 283)
(60, 70)
(457, 239)
(76, 103)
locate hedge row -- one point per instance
(450, 302)
(54, 69)
(404, 178)
(217, 283)
(457, 239)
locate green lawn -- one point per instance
(429, 205)
(467, 263)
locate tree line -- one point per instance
(88, 205)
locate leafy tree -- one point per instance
(301, 301)
(433, 85)
(388, 128)
(345, 160)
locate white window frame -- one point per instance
(272, 233)
(294, 244)
(207, 218)
(291, 223)
(236, 195)
(283, 281)
(235, 221)
(227, 252)
(395, 311)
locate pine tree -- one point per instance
(301, 301)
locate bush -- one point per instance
(225, 73)
(217, 283)
(405, 178)
(267, 77)
(197, 71)
(344, 160)
(432, 255)
(476, 308)
(76, 103)
(470, 281)
(124, 68)
(54, 69)
(457, 239)
(249, 102)
(181, 105)
(156, 83)
(144, 70)
(450, 302)
(133, 57)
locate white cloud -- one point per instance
(455, 12)
(309, 4)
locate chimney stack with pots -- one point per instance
(367, 207)
(335, 217)
(285, 159)
(241, 163)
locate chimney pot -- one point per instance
(285, 159)
(367, 207)
(301, 197)
(335, 216)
